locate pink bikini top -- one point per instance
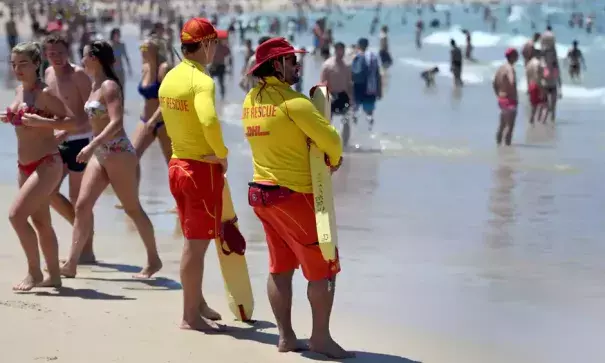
(14, 118)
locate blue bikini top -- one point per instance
(151, 91)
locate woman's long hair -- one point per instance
(103, 51)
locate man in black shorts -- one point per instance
(336, 75)
(72, 86)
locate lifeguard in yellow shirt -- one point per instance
(187, 104)
(279, 123)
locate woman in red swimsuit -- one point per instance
(40, 168)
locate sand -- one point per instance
(106, 316)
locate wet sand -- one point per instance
(105, 315)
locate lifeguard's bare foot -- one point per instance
(203, 325)
(329, 348)
(29, 282)
(149, 270)
(289, 343)
(67, 270)
(209, 313)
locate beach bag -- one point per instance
(359, 69)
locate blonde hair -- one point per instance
(159, 47)
(33, 50)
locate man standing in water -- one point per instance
(70, 84)
(279, 122)
(385, 56)
(505, 88)
(221, 64)
(456, 63)
(530, 48)
(367, 81)
(199, 162)
(336, 75)
(576, 61)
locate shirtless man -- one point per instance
(537, 96)
(530, 47)
(336, 75)
(547, 39)
(70, 84)
(385, 55)
(221, 63)
(576, 61)
(456, 63)
(505, 88)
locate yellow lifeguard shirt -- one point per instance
(278, 121)
(187, 105)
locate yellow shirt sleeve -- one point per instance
(316, 127)
(203, 103)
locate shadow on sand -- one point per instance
(155, 284)
(253, 333)
(86, 294)
(132, 269)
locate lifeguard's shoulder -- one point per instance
(200, 82)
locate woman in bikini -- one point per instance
(40, 167)
(111, 160)
(155, 67)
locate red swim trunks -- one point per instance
(197, 188)
(292, 238)
(536, 96)
(507, 104)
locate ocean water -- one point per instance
(440, 231)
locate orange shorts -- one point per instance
(292, 238)
(197, 188)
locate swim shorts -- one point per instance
(507, 105)
(536, 96)
(70, 149)
(340, 103)
(363, 98)
(292, 238)
(197, 188)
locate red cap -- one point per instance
(54, 26)
(273, 48)
(197, 29)
(222, 34)
(510, 51)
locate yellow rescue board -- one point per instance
(234, 269)
(325, 217)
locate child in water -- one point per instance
(429, 76)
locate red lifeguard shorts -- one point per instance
(197, 188)
(292, 238)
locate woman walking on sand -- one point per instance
(151, 127)
(40, 168)
(111, 159)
